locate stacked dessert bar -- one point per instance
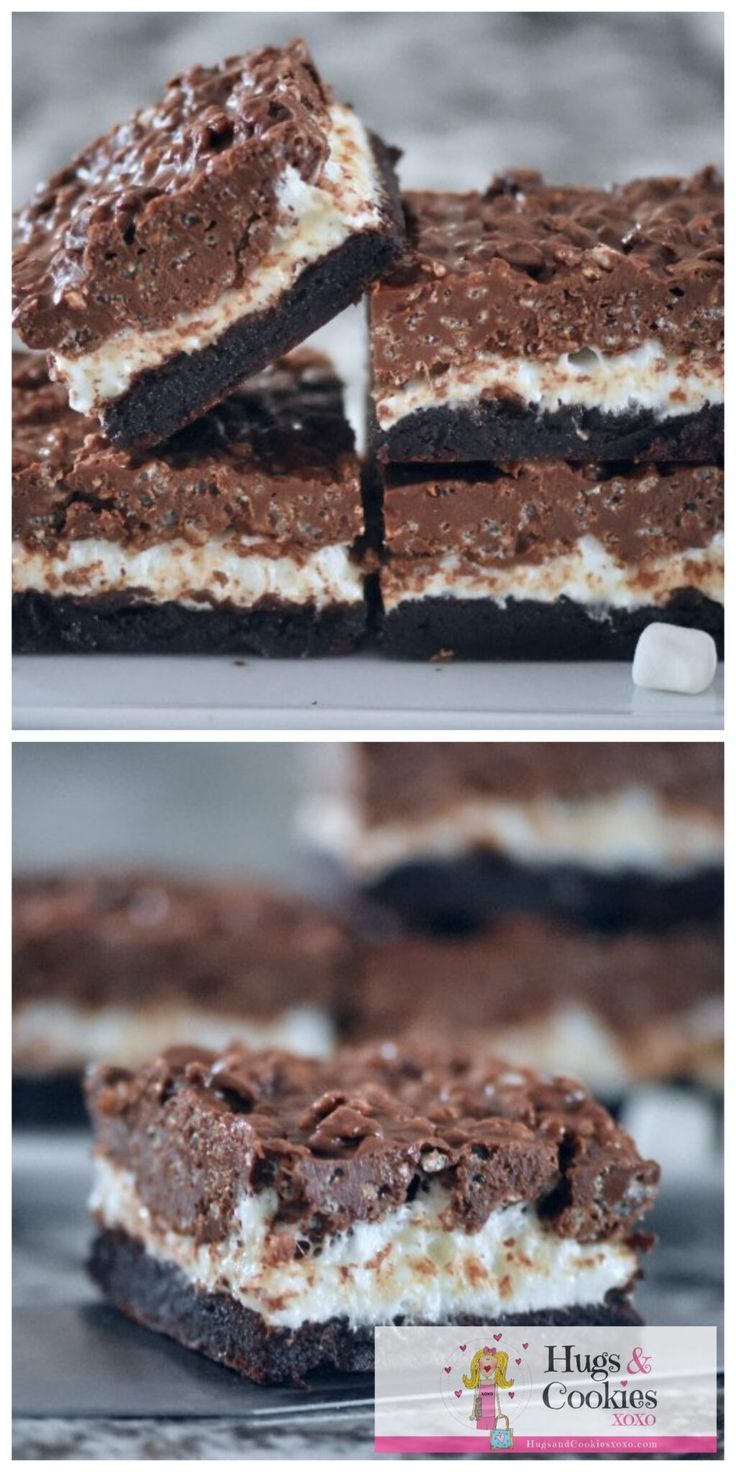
(615, 1010)
(112, 966)
(270, 1211)
(558, 903)
(546, 419)
(546, 409)
(240, 533)
(183, 485)
(456, 834)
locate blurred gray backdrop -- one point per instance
(186, 804)
(588, 96)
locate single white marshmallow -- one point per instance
(670, 658)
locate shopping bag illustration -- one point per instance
(502, 1437)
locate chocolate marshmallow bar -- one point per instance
(548, 560)
(537, 321)
(203, 238)
(237, 536)
(112, 966)
(270, 1211)
(613, 1010)
(451, 834)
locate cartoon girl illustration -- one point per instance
(487, 1375)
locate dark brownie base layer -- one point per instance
(499, 432)
(158, 1296)
(162, 400)
(478, 628)
(459, 895)
(115, 625)
(52, 1100)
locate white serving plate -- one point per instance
(359, 692)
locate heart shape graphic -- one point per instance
(517, 1362)
(524, 1346)
(448, 1369)
(457, 1394)
(463, 1347)
(624, 1383)
(487, 1369)
(512, 1393)
(497, 1337)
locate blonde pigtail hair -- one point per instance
(472, 1381)
(503, 1364)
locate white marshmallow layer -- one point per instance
(199, 578)
(408, 1263)
(575, 1040)
(588, 574)
(633, 829)
(644, 378)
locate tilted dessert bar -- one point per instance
(201, 239)
(455, 833)
(269, 1211)
(111, 966)
(548, 560)
(238, 535)
(614, 1010)
(535, 321)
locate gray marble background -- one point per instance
(590, 97)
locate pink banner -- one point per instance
(641, 1445)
